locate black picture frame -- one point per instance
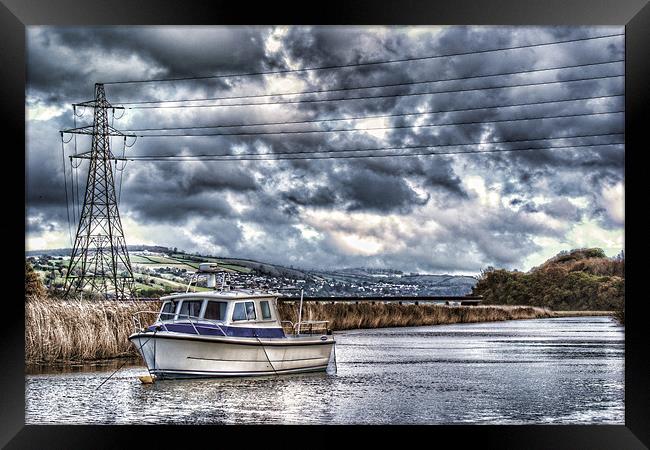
(15, 15)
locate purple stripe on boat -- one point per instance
(213, 330)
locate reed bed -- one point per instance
(347, 316)
(584, 313)
(71, 330)
(62, 330)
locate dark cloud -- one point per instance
(320, 196)
(367, 190)
(563, 209)
(67, 61)
(222, 232)
(172, 209)
(258, 209)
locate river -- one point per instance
(546, 371)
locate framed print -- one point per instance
(406, 217)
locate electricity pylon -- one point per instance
(100, 260)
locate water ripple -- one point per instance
(567, 371)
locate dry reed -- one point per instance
(346, 316)
(66, 331)
(61, 330)
(584, 313)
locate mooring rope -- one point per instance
(124, 363)
(265, 354)
(336, 368)
(154, 347)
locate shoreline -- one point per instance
(66, 334)
(584, 313)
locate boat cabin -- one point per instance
(228, 313)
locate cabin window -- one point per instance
(168, 311)
(266, 309)
(215, 311)
(240, 312)
(244, 311)
(250, 311)
(190, 308)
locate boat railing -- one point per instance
(305, 327)
(312, 327)
(137, 321)
(290, 327)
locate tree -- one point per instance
(33, 285)
(582, 279)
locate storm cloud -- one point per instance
(444, 213)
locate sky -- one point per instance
(453, 213)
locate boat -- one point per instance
(228, 332)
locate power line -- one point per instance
(376, 86)
(65, 187)
(410, 94)
(375, 116)
(394, 127)
(183, 157)
(340, 66)
(72, 190)
(389, 155)
(75, 206)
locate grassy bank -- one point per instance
(73, 331)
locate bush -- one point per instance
(583, 279)
(33, 285)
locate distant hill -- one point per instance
(358, 281)
(369, 282)
(581, 279)
(68, 251)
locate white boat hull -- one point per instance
(174, 355)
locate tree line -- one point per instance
(580, 279)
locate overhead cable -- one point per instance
(368, 63)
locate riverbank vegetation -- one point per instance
(579, 280)
(347, 316)
(59, 330)
(79, 330)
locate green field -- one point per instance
(149, 284)
(180, 261)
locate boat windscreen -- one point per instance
(215, 310)
(168, 311)
(190, 308)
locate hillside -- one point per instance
(582, 279)
(159, 270)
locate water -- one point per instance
(565, 370)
